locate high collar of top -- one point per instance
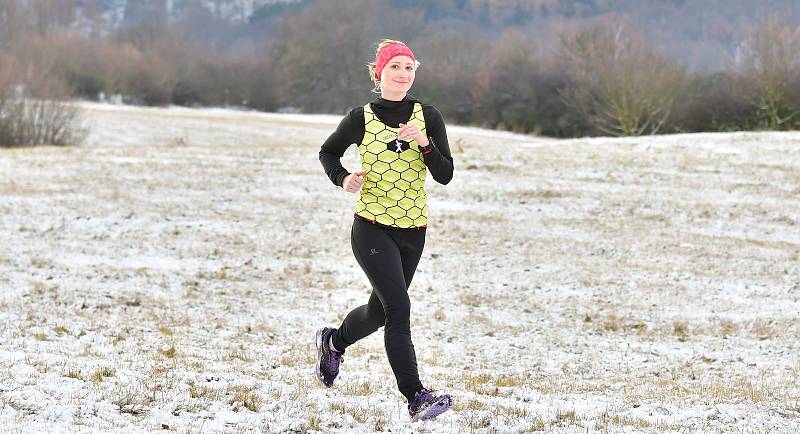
(389, 52)
(392, 113)
(384, 103)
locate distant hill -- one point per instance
(693, 31)
(117, 14)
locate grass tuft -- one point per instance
(168, 352)
(101, 373)
(243, 396)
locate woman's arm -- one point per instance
(346, 133)
(437, 153)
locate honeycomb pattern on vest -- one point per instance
(393, 192)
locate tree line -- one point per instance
(560, 77)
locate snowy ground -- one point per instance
(170, 275)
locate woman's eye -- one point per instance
(394, 66)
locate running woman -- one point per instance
(399, 139)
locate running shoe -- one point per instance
(328, 361)
(426, 405)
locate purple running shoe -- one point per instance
(328, 361)
(426, 405)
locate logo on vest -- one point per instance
(398, 146)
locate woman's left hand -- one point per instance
(409, 132)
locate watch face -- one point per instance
(398, 145)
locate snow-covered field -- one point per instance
(170, 275)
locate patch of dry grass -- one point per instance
(357, 412)
(168, 351)
(359, 389)
(105, 372)
(243, 396)
(130, 399)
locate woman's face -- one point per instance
(398, 75)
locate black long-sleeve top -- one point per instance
(392, 113)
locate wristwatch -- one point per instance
(425, 150)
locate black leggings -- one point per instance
(389, 258)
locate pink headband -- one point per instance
(387, 53)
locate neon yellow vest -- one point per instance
(393, 193)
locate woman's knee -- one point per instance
(376, 315)
(398, 310)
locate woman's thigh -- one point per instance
(380, 258)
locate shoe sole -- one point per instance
(434, 408)
(318, 342)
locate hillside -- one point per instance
(693, 31)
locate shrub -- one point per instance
(31, 112)
(709, 105)
(30, 122)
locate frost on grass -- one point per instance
(170, 275)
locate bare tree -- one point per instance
(516, 89)
(764, 64)
(448, 72)
(323, 51)
(619, 84)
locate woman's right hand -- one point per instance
(353, 182)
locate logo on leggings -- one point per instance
(373, 252)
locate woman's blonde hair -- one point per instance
(371, 66)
